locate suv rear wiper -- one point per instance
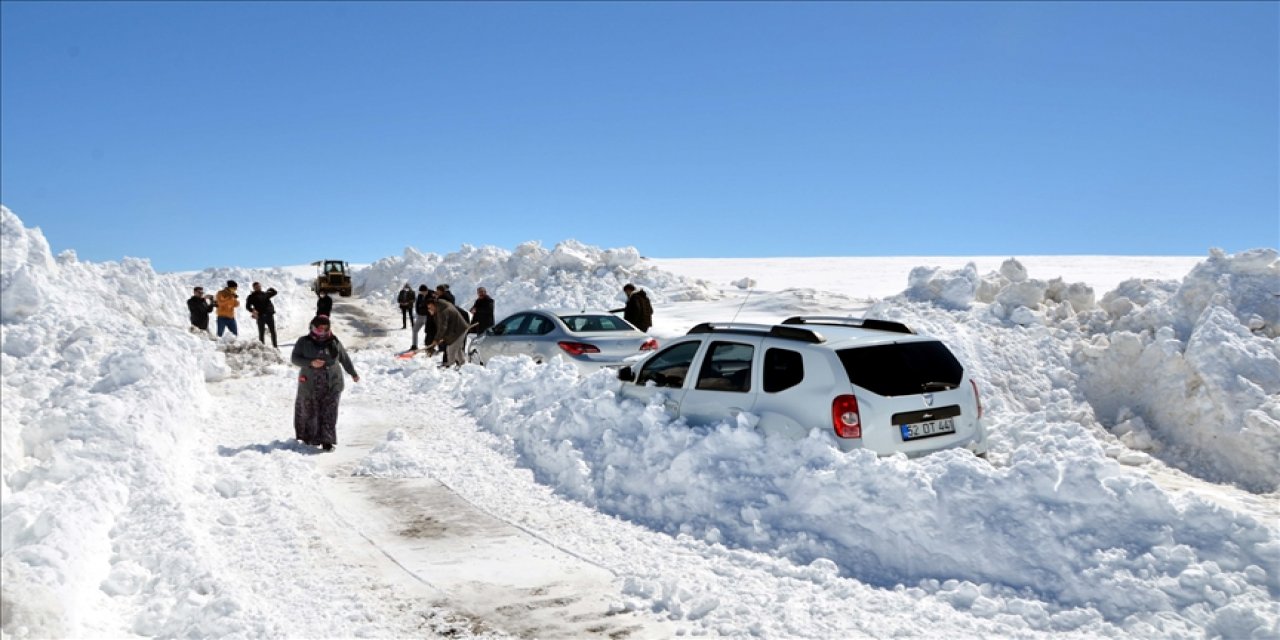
(938, 386)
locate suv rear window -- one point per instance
(902, 369)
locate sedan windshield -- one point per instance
(583, 324)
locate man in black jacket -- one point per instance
(405, 299)
(264, 311)
(638, 310)
(481, 311)
(200, 305)
(443, 293)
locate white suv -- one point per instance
(870, 384)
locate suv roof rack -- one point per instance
(863, 323)
(744, 328)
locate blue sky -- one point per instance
(258, 134)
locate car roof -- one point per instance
(576, 312)
(846, 337)
(558, 313)
(826, 333)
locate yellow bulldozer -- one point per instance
(333, 276)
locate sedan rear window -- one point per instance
(902, 369)
(596, 323)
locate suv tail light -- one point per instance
(578, 348)
(845, 418)
(976, 397)
(649, 345)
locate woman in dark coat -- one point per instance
(321, 357)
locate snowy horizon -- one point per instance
(151, 487)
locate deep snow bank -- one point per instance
(101, 385)
(571, 276)
(1061, 539)
(1189, 370)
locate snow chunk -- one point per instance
(26, 268)
(1246, 284)
(949, 289)
(1013, 271)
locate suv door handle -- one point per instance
(672, 406)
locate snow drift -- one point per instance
(1061, 532)
(1188, 371)
(102, 390)
(1039, 539)
(569, 276)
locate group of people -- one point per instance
(200, 305)
(258, 304)
(445, 326)
(321, 357)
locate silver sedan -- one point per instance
(589, 339)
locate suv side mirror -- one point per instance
(625, 374)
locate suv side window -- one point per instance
(783, 369)
(726, 367)
(669, 367)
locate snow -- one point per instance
(569, 276)
(151, 486)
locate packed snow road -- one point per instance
(425, 547)
(418, 537)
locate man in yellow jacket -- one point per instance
(227, 302)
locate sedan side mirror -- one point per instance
(497, 331)
(625, 374)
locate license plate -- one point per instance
(917, 430)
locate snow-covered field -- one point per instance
(151, 486)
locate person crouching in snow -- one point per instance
(451, 331)
(321, 357)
